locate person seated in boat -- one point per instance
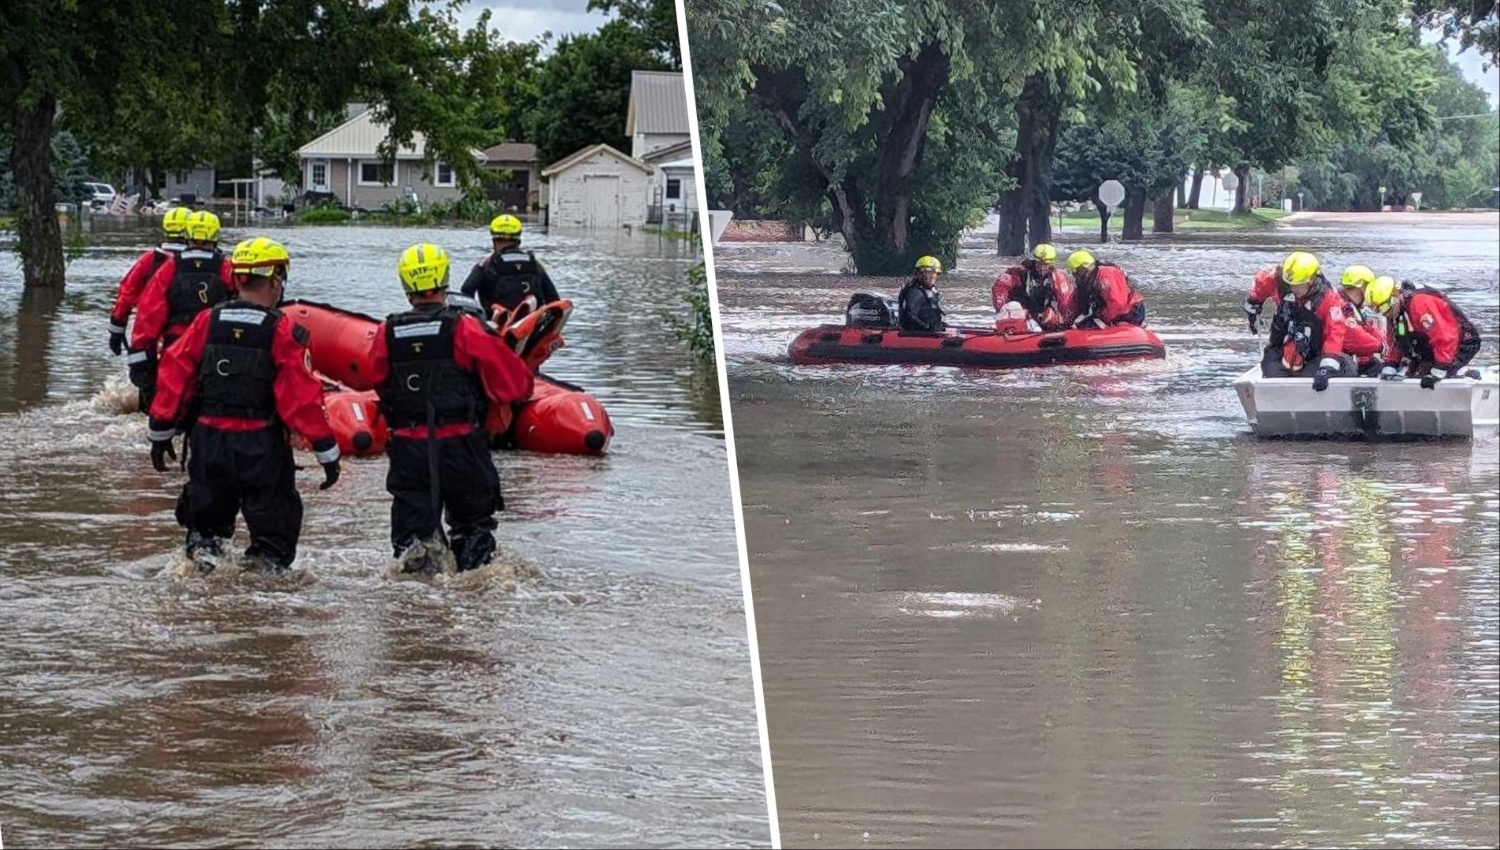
(921, 305)
(1105, 294)
(438, 370)
(1037, 287)
(1365, 336)
(1307, 334)
(507, 276)
(1433, 338)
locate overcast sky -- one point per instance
(524, 20)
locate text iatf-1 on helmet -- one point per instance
(260, 256)
(423, 268)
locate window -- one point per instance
(444, 175)
(319, 175)
(376, 173)
(674, 190)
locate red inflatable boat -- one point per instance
(558, 418)
(975, 347)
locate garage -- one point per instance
(598, 188)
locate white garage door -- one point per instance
(601, 200)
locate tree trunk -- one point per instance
(1196, 190)
(1135, 214)
(1181, 191)
(1242, 191)
(916, 94)
(1161, 214)
(40, 237)
(1011, 241)
(1037, 118)
(1103, 209)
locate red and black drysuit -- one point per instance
(240, 377)
(1267, 286)
(181, 288)
(437, 370)
(1307, 337)
(131, 287)
(1433, 335)
(1049, 298)
(1106, 295)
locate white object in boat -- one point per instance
(1288, 407)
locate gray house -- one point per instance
(344, 161)
(514, 177)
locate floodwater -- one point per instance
(592, 688)
(1082, 607)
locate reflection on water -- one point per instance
(593, 689)
(1081, 607)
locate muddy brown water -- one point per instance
(1082, 607)
(592, 688)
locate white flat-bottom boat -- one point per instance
(1370, 407)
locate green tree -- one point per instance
(655, 20)
(585, 88)
(1476, 23)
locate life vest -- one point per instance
(513, 276)
(1412, 341)
(196, 287)
(238, 375)
(1036, 294)
(424, 373)
(1304, 327)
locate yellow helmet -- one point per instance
(261, 257)
(1080, 260)
(203, 226)
(423, 268)
(1044, 252)
(1358, 277)
(930, 262)
(174, 223)
(1299, 268)
(1379, 291)
(505, 226)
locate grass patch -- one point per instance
(324, 215)
(670, 234)
(7, 222)
(1182, 220)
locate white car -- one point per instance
(101, 194)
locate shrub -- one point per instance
(699, 333)
(323, 215)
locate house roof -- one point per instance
(359, 137)
(511, 152)
(670, 152)
(680, 163)
(579, 156)
(658, 103)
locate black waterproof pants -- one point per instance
(230, 472)
(468, 490)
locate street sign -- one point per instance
(1231, 182)
(1112, 192)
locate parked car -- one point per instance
(100, 195)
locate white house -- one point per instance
(598, 187)
(344, 161)
(676, 192)
(657, 113)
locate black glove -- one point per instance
(326, 451)
(1252, 313)
(1320, 379)
(160, 451)
(1430, 380)
(117, 342)
(142, 368)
